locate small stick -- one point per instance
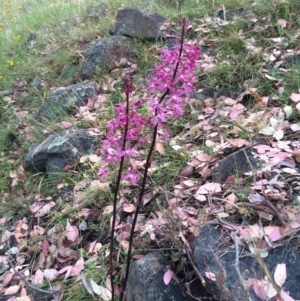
(273, 208)
(237, 263)
(235, 124)
(258, 207)
(251, 167)
(264, 233)
(222, 222)
(31, 285)
(195, 268)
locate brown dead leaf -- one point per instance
(12, 290)
(238, 142)
(282, 23)
(209, 188)
(203, 157)
(124, 244)
(160, 148)
(97, 185)
(108, 209)
(295, 97)
(22, 298)
(44, 209)
(105, 294)
(129, 208)
(66, 124)
(280, 274)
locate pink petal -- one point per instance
(211, 276)
(72, 232)
(285, 296)
(275, 234)
(167, 276)
(259, 290)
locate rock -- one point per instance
(211, 253)
(171, 43)
(65, 99)
(65, 25)
(96, 12)
(58, 150)
(145, 281)
(231, 14)
(37, 83)
(133, 23)
(211, 93)
(292, 61)
(234, 164)
(55, 164)
(104, 53)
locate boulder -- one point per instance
(104, 54)
(231, 14)
(292, 61)
(58, 150)
(65, 99)
(235, 164)
(214, 252)
(133, 23)
(145, 281)
(96, 12)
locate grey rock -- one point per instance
(145, 281)
(65, 25)
(104, 53)
(211, 93)
(56, 164)
(171, 42)
(211, 253)
(95, 12)
(133, 23)
(66, 99)
(234, 164)
(58, 150)
(37, 83)
(292, 61)
(231, 14)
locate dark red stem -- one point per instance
(112, 233)
(147, 165)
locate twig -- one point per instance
(265, 269)
(188, 250)
(235, 124)
(237, 264)
(222, 222)
(55, 294)
(251, 167)
(210, 202)
(264, 233)
(195, 268)
(200, 298)
(273, 208)
(258, 207)
(224, 12)
(185, 241)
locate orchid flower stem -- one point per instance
(147, 165)
(127, 92)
